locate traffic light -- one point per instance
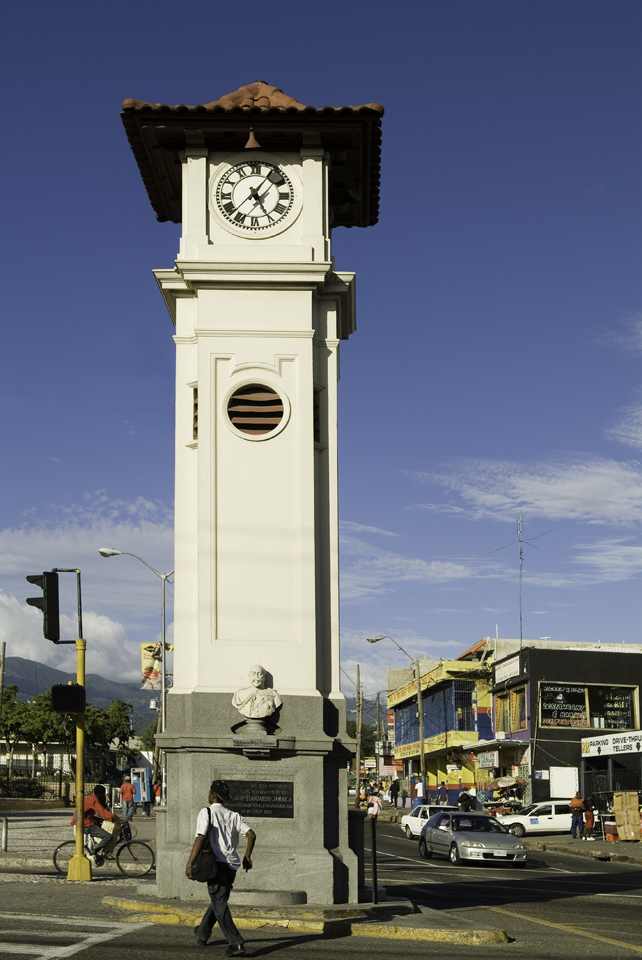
(48, 603)
(68, 698)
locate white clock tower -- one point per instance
(258, 181)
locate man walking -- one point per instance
(223, 836)
(127, 798)
(577, 816)
(394, 792)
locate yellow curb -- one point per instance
(183, 919)
(164, 914)
(435, 934)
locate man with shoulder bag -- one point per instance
(214, 859)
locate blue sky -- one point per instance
(497, 367)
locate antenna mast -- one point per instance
(520, 541)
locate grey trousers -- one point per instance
(218, 910)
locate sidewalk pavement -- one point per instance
(390, 920)
(34, 835)
(617, 851)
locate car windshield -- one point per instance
(526, 810)
(478, 824)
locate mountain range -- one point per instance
(31, 678)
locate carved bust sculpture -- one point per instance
(257, 702)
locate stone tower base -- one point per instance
(297, 775)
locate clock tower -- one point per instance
(258, 181)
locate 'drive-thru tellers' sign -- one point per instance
(563, 705)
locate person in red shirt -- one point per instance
(127, 798)
(95, 811)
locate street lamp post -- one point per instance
(163, 577)
(420, 706)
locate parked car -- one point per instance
(551, 816)
(470, 836)
(412, 823)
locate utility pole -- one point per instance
(3, 655)
(520, 541)
(359, 724)
(378, 750)
(420, 718)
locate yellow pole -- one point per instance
(79, 866)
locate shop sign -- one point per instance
(507, 669)
(563, 705)
(612, 743)
(488, 759)
(453, 768)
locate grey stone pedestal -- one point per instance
(306, 852)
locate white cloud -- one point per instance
(627, 334)
(628, 430)
(376, 659)
(351, 526)
(367, 571)
(121, 599)
(611, 560)
(596, 491)
(108, 650)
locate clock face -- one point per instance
(254, 196)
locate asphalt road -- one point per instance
(557, 907)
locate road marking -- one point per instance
(568, 928)
(94, 932)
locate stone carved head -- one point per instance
(258, 676)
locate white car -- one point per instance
(550, 816)
(413, 823)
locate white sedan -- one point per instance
(550, 816)
(413, 823)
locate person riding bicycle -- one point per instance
(96, 811)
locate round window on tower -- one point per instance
(256, 411)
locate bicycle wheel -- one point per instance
(135, 859)
(62, 856)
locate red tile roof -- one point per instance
(351, 136)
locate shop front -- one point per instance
(611, 762)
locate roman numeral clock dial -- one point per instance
(254, 197)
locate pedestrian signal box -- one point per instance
(68, 698)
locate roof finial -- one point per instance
(252, 142)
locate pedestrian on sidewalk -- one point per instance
(127, 798)
(442, 794)
(394, 792)
(577, 816)
(589, 819)
(222, 829)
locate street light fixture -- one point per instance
(420, 706)
(163, 577)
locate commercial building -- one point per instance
(519, 711)
(456, 710)
(547, 697)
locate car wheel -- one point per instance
(453, 854)
(408, 832)
(517, 830)
(423, 850)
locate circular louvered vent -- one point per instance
(255, 409)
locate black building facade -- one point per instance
(567, 694)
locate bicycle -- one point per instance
(133, 857)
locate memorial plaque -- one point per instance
(563, 705)
(269, 798)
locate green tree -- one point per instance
(368, 737)
(147, 741)
(118, 722)
(41, 726)
(12, 718)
